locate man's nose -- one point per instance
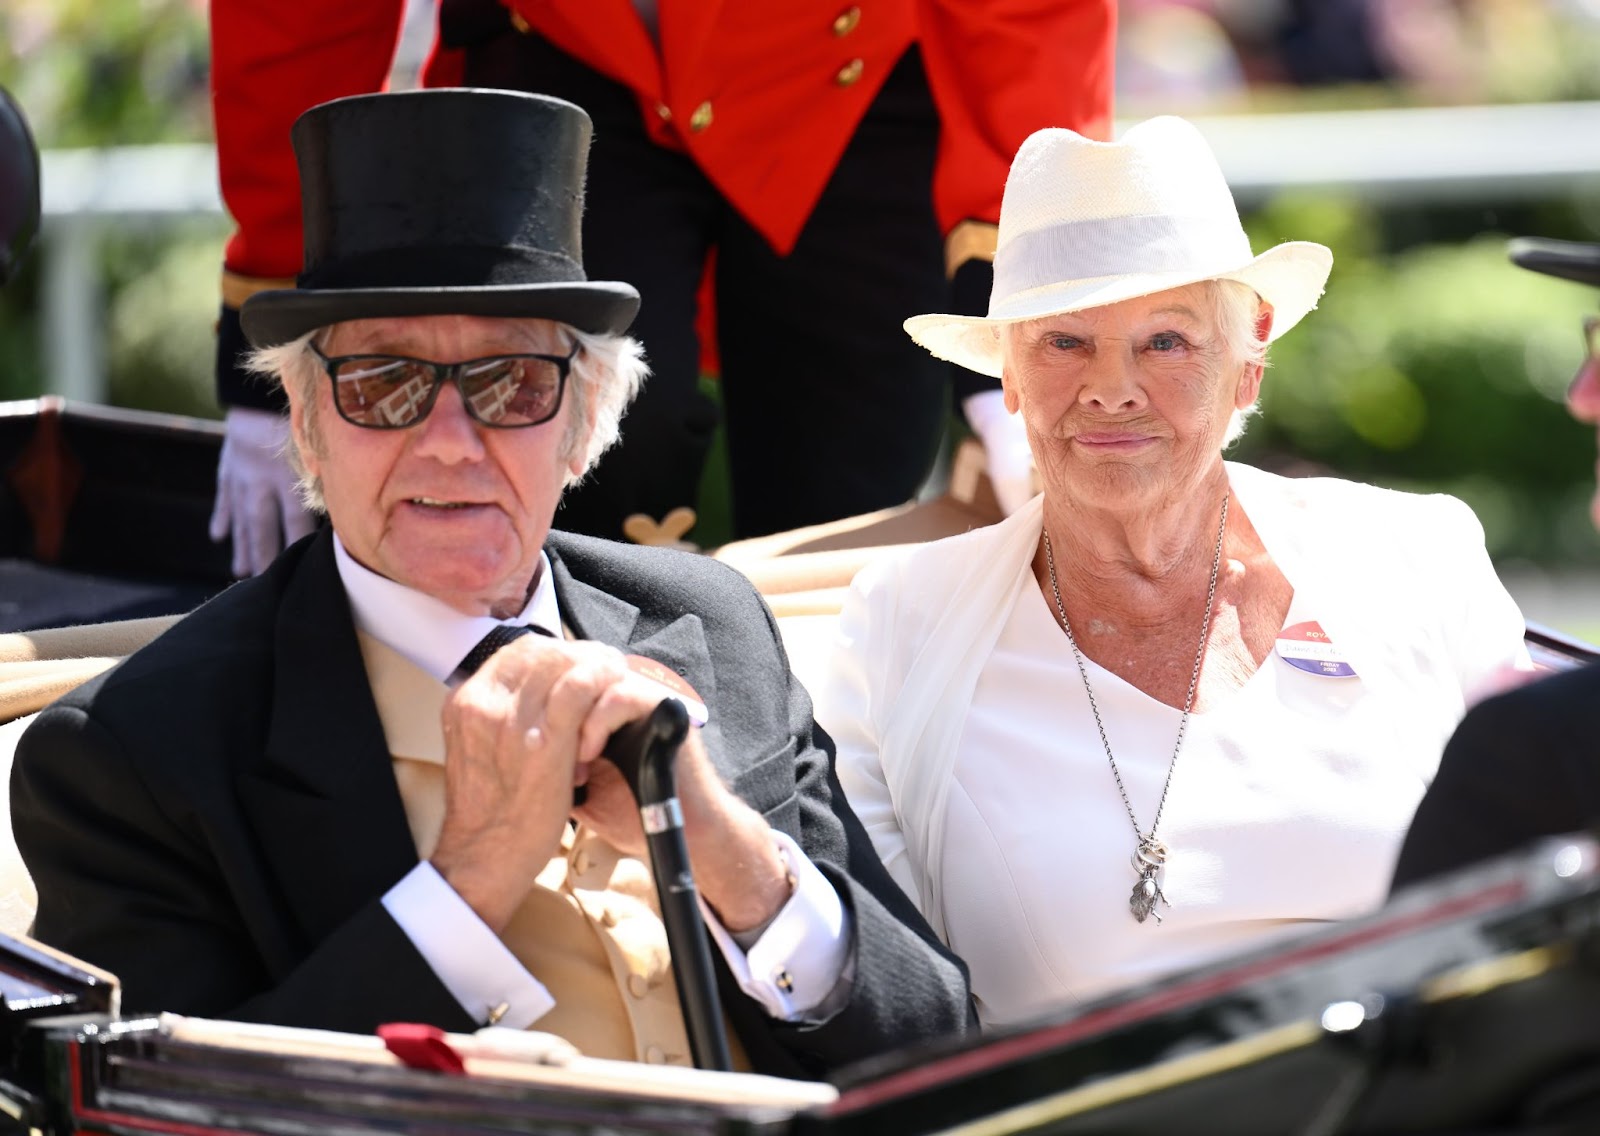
(1583, 396)
(449, 434)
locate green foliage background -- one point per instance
(1438, 366)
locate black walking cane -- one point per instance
(644, 751)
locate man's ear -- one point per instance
(578, 459)
(304, 443)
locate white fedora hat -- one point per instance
(1086, 223)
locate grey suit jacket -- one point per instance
(216, 820)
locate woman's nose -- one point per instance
(1110, 382)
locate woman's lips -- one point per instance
(1112, 441)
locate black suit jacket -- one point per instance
(1521, 765)
(216, 819)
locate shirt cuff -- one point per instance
(800, 957)
(470, 960)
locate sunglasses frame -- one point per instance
(443, 373)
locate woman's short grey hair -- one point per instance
(606, 376)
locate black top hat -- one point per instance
(1570, 260)
(19, 187)
(441, 202)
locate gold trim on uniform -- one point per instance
(970, 240)
(236, 288)
(850, 73)
(845, 22)
(701, 118)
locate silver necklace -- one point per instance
(1149, 854)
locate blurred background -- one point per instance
(1411, 136)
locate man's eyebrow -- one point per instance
(411, 348)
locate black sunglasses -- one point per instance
(392, 392)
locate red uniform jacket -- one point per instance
(764, 96)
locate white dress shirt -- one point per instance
(790, 968)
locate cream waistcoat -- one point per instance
(590, 930)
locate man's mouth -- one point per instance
(436, 503)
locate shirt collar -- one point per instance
(430, 633)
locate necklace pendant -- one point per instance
(1149, 856)
(1146, 894)
(1148, 860)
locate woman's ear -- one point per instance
(1007, 388)
(1264, 322)
(1250, 381)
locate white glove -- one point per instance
(256, 500)
(1005, 448)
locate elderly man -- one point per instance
(282, 811)
(1521, 765)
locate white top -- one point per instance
(1038, 838)
(997, 811)
(789, 969)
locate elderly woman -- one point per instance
(1175, 705)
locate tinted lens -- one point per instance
(517, 390)
(381, 390)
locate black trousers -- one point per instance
(830, 409)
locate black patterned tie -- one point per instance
(498, 637)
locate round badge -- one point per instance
(1306, 647)
(672, 686)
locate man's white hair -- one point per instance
(605, 377)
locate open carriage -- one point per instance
(1469, 1006)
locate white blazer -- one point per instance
(1404, 585)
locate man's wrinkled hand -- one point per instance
(511, 735)
(257, 503)
(1008, 458)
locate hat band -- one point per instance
(431, 268)
(1116, 246)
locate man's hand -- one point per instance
(530, 726)
(511, 737)
(257, 504)
(1005, 448)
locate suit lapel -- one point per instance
(589, 611)
(323, 800)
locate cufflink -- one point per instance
(498, 1012)
(783, 981)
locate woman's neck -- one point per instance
(1140, 553)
